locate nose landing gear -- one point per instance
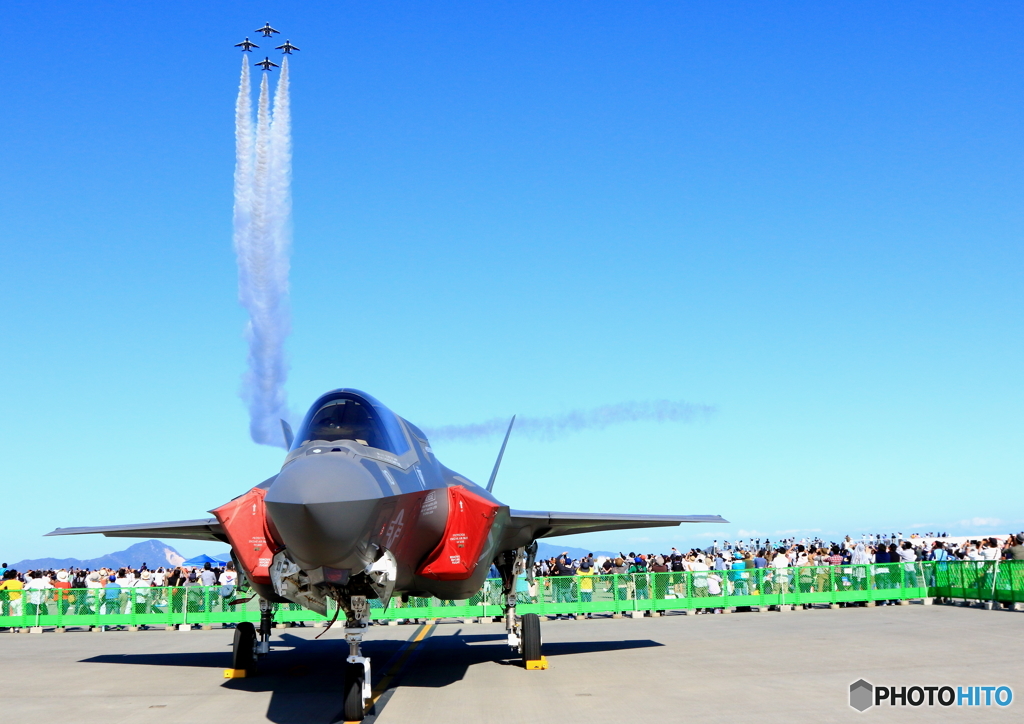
(358, 684)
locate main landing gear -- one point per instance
(523, 633)
(531, 644)
(266, 625)
(250, 643)
(243, 652)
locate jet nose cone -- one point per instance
(328, 477)
(324, 506)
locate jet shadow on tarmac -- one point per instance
(303, 674)
(446, 659)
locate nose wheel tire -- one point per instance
(243, 652)
(354, 676)
(531, 637)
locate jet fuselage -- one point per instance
(359, 480)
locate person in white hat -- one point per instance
(35, 593)
(140, 589)
(63, 586)
(93, 597)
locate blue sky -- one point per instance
(806, 216)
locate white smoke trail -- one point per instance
(262, 244)
(279, 180)
(598, 418)
(243, 165)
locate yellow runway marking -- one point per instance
(382, 686)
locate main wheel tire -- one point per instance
(354, 675)
(243, 652)
(531, 637)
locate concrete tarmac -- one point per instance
(745, 667)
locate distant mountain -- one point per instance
(151, 552)
(547, 550)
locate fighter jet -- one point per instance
(287, 47)
(245, 45)
(266, 64)
(363, 509)
(267, 30)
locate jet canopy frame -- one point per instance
(348, 414)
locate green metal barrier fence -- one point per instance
(1001, 581)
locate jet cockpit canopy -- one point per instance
(352, 415)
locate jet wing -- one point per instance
(199, 529)
(541, 524)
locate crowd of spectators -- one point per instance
(143, 590)
(789, 553)
(811, 556)
(121, 590)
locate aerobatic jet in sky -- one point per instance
(246, 46)
(363, 509)
(267, 30)
(287, 47)
(266, 64)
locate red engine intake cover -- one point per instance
(249, 532)
(469, 521)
